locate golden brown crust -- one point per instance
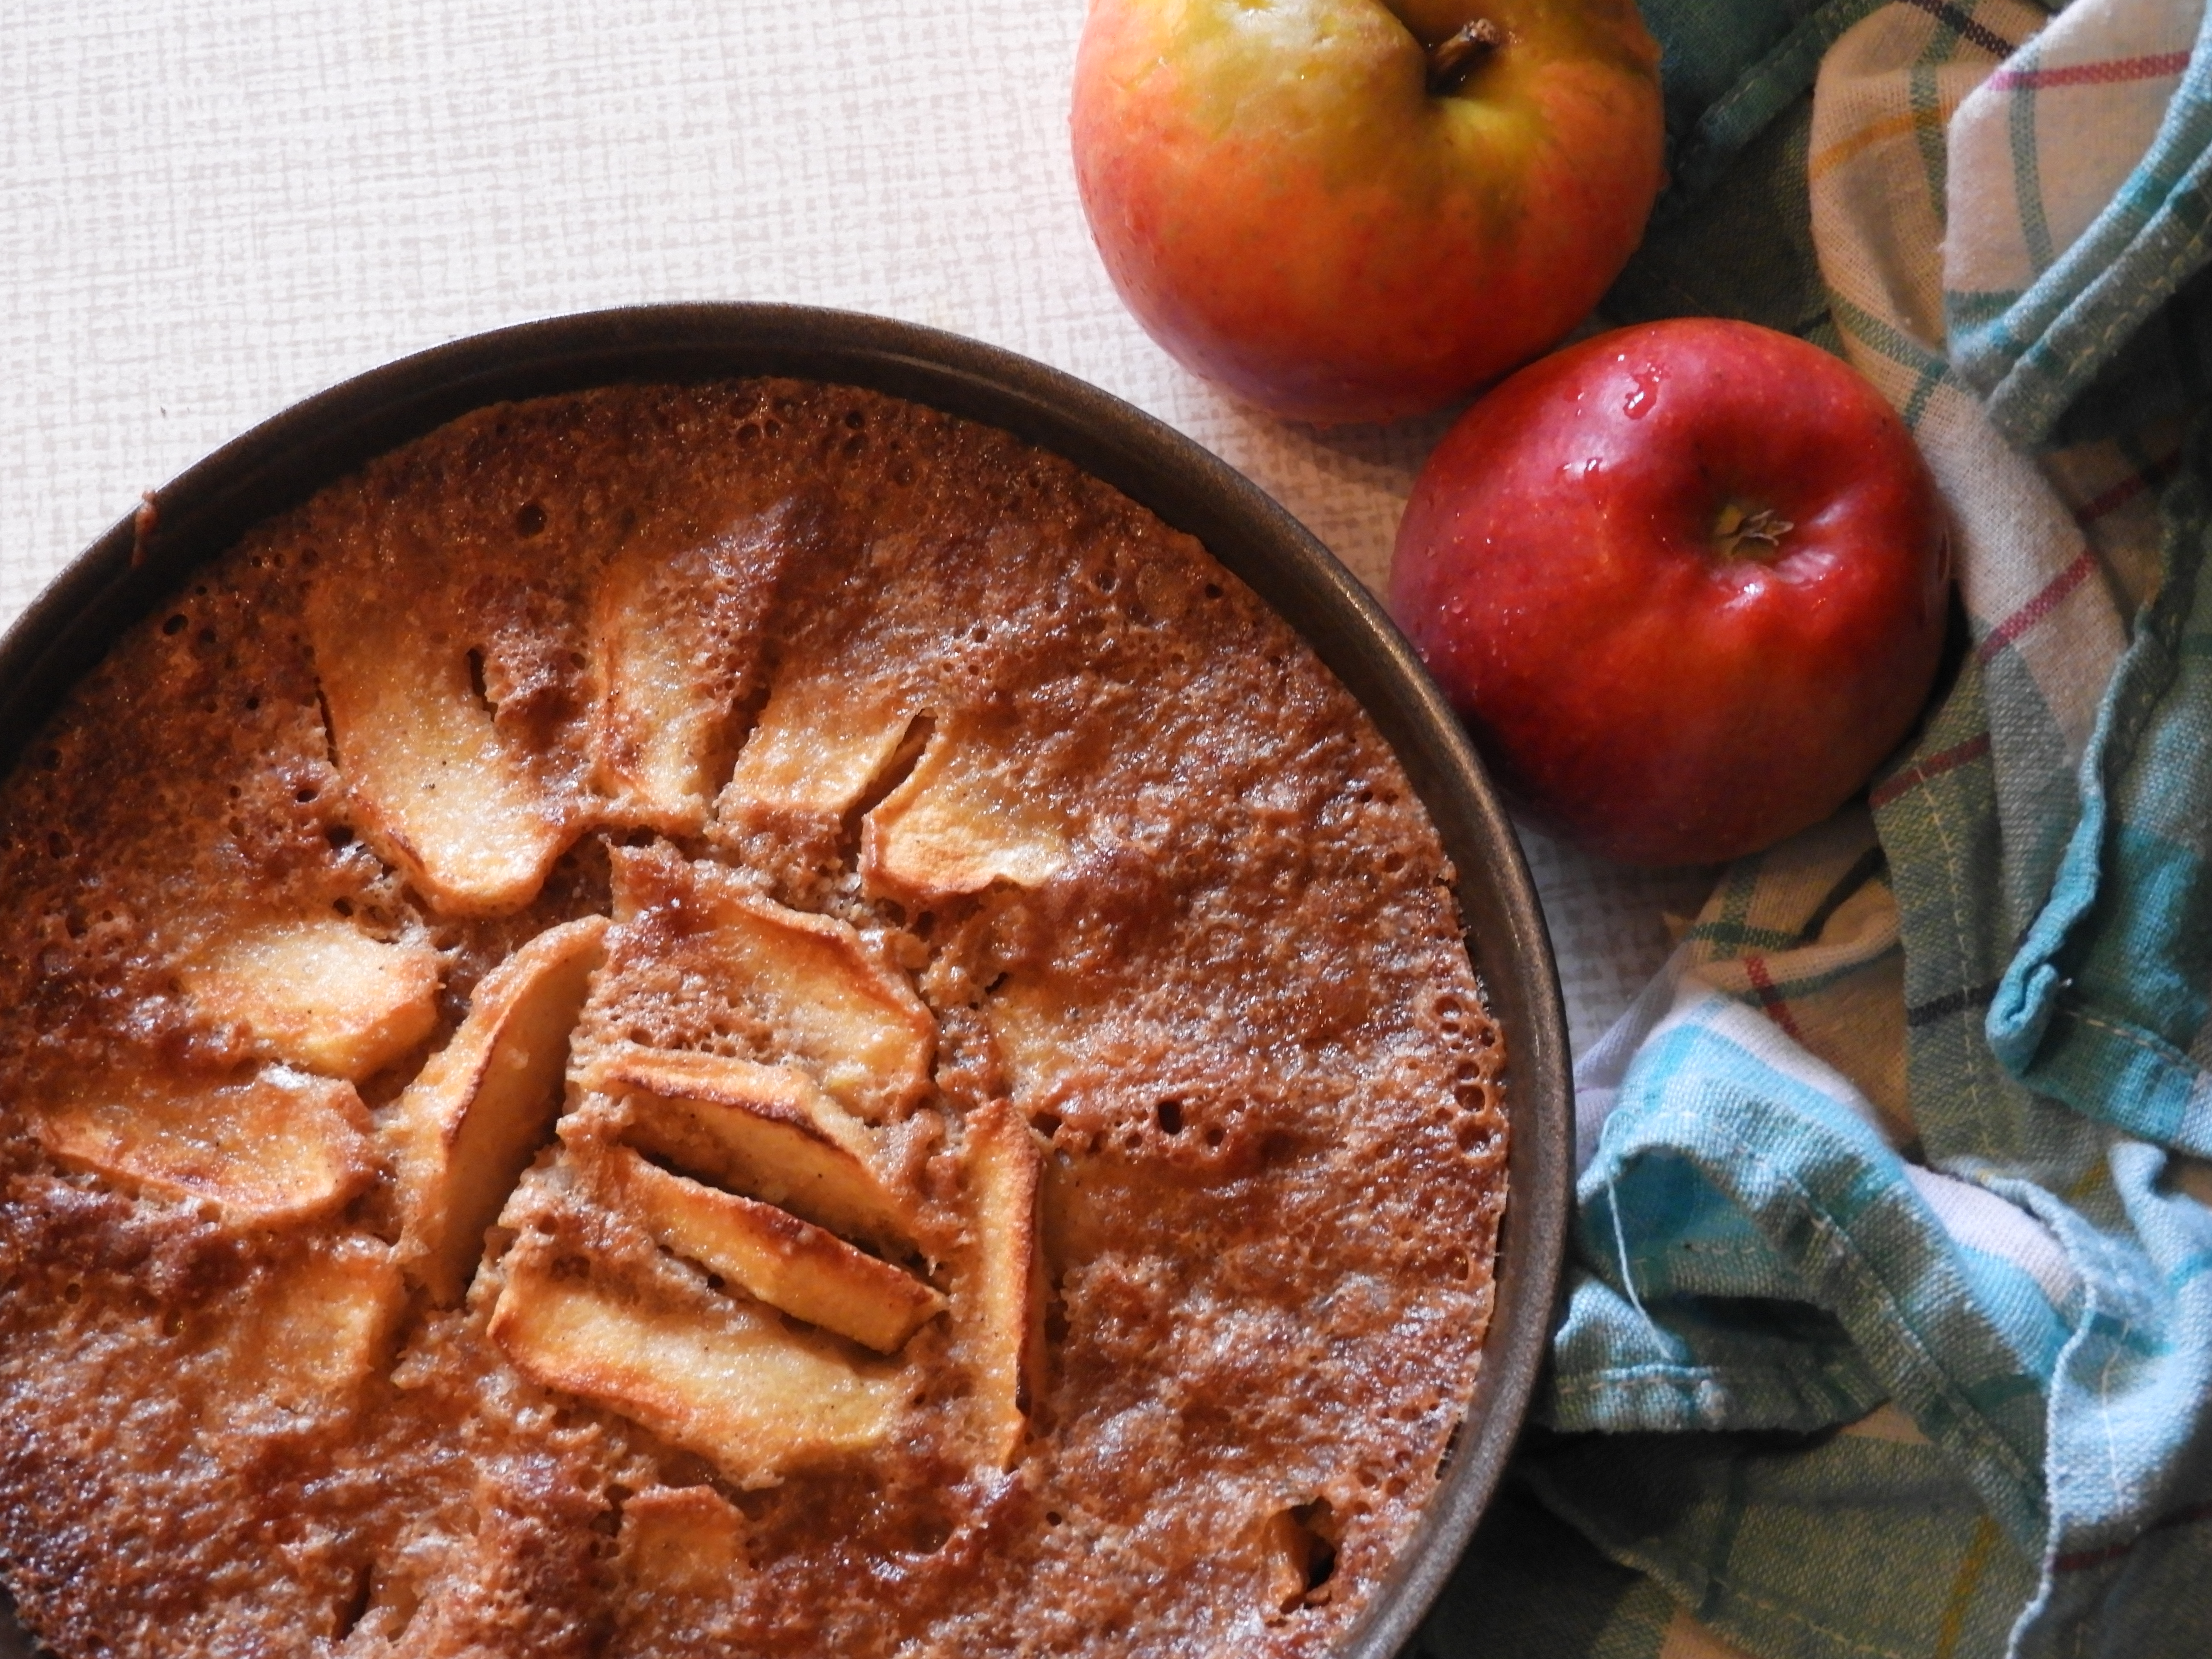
(966, 811)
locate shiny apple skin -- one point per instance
(1288, 210)
(1633, 689)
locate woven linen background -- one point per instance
(209, 209)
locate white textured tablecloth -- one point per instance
(209, 209)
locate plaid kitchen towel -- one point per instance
(1890, 1328)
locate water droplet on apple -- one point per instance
(1593, 466)
(1645, 397)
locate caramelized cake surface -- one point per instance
(738, 1020)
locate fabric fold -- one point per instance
(2093, 148)
(2108, 1004)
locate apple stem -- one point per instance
(1459, 54)
(1735, 526)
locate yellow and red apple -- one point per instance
(1356, 210)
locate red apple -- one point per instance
(1354, 210)
(1685, 583)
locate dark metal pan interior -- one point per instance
(127, 571)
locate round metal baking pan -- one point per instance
(123, 575)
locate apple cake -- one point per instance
(742, 1020)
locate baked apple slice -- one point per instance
(438, 790)
(279, 1148)
(316, 1330)
(317, 993)
(673, 638)
(967, 816)
(726, 1379)
(774, 1256)
(686, 1539)
(853, 1022)
(1035, 1022)
(833, 1008)
(817, 746)
(768, 1131)
(1002, 1301)
(1290, 1553)
(466, 1128)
